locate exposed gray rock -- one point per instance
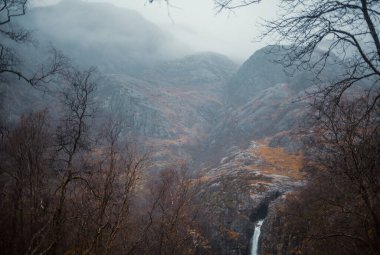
(200, 69)
(240, 196)
(265, 69)
(274, 242)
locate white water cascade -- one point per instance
(255, 238)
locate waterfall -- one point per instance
(255, 238)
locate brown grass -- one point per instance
(278, 161)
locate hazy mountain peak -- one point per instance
(117, 40)
(196, 69)
(207, 56)
(265, 68)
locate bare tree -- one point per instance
(172, 225)
(24, 172)
(343, 194)
(9, 10)
(63, 191)
(11, 35)
(348, 148)
(104, 195)
(338, 211)
(318, 31)
(71, 139)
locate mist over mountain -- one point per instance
(172, 106)
(194, 70)
(235, 126)
(266, 68)
(194, 106)
(168, 98)
(116, 40)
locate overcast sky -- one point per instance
(196, 23)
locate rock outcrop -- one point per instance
(274, 240)
(240, 190)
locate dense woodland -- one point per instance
(71, 182)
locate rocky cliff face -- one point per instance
(169, 102)
(198, 70)
(267, 68)
(261, 101)
(173, 107)
(262, 71)
(242, 187)
(273, 240)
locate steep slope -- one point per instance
(264, 69)
(263, 100)
(170, 103)
(241, 188)
(244, 173)
(194, 70)
(271, 111)
(254, 155)
(170, 110)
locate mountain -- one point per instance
(169, 101)
(174, 105)
(116, 40)
(261, 101)
(265, 69)
(194, 70)
(235, 125)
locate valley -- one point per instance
(138, 144)
(188, 110)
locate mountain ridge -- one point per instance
(116, 40)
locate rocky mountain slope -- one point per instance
(242, 187)
(232, 124)
(169, 110)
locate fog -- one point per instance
(114, 39)
(197, 23)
